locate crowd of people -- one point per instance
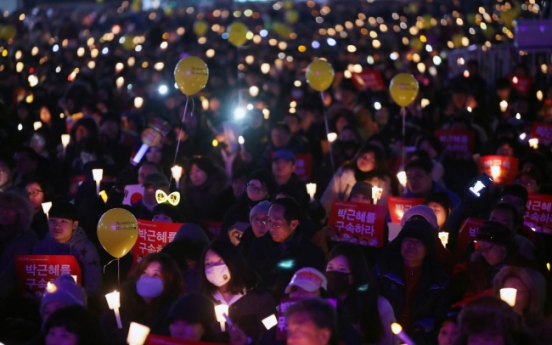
(249, 143)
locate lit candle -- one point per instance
(138, 102)
(508, 295)
(241, 141)
(311, 189)
(137, 334)
(443, 236)
(46, 206)
(398, 331)
(97, 174)
(220, 311)
(503, 106)
(114, 303)
(332, 137)
(50, 288)
(75, 278)
(534, 143)
(177, 174)
(37, 125)
(65, 139)
(270, 321)
(401, 175)
(469, 109)
(376, 194)
(496, 171)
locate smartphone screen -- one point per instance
(482, 182)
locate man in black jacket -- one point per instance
(283, 250)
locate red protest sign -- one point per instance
(522, 84)
(398, 206)
(303, 165)
(368, 80)
(459, 143)
(541, 131)
(152, 237)
(508, 168)
(467, 234)
(212, 228)
(154, 339)
(358, 223)
(33, 272)
(538, 215)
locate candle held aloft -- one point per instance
(176, 172)
(503, 106)
(398, 331)
(241, 141)
(137, 334)
(332, 137)
(401, 176)
(376, 194)
(534, 143)
(311, 189)
(496, 171)
(220, 311)
(114, 303)
(508, 295)
(97, 175)
(65, 139)
(46, 206)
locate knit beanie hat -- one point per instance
(495, 233)
(191, 231)
(423, 211)
(193, 308)
(363, 188)
(64, 289)
(266, 178)
(260, 208)
(419, 229)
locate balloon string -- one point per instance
(327, 130)
(118, 270)
(180, 134)
(403, 114)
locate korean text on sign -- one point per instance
(467, 234)
(458, 142)
(538, 215)
(152, 237)
(398, 206)
(35, 271)
(508, 168)
(543, 132)
(363, 224)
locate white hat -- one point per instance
(308, 279)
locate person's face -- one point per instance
(298, 293)
(36, 195)
(154, 154)
(81, 133)
(382, 116)
(340, 264)
(418, 181)
(505, 218)
(522, 296)
(197, 176)
(24, 164)
(8, 216)
(61, 229)
(154, 270)
(61, 336)
(279, 137)
(413, 250)
(50, 308)
(45, 115)
(149, 193)
(459, 100)
(279, 229)
(448, 333)
(515, 201)
(5, 175)
(292, 123)
(486, 339)
(212, 259)
(340, 123)
(503, 94)
(162, 218)
(181, 329)
(110, 128)
(37, 143)
(366, 162)
(256, 191)
(259, 224)
(529, 183)
(505, 150)
(144, 171)
(440, 213)
(492, 253)
(301, 330)
(282, 168)
(239, 185)
(360, 198)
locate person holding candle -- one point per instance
(39, 191)
(283, 169)
(367, 165)
(63, 292)
(409, 276)
(229, 280)
(73, 326)
(146, 297)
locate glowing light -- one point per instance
(163, 89)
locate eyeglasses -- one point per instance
(263, 222)
(256, 189)
(485, 249)
(34, 192)
(275, 225)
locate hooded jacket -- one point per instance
(83, 250)
(20, 244)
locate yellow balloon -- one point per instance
(427, 21)
(320, 75)
(457, 40)
(292, 16)
(237, 32)
(9, 32)
(117, 232)
(128, 43)
(191, 74)
(200, 27)
(416, 44)
(404, 89)
(282, 29)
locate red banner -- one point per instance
(538, 215)
(522, 84)
(152, 237)
(212, 228)
(358, 223)
(33, 272)
(398, 206)
(541, 131)
(368, 80)
(508, 168)
(459, 143)
(154, 339)
(467, 234)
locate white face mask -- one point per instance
(149, 287)
(218, 275)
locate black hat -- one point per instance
(495, 233)
(266, 179)
(157, 179)
(63, 209)
(193, 308)
(419, 229)
(362, 187)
